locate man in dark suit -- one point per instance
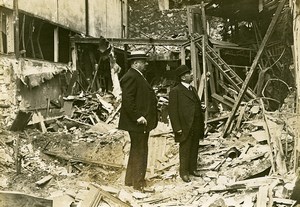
(138, 116)
(186, 115)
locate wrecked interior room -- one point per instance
(70, 72)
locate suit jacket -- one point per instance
(138, 99)
(182, 107)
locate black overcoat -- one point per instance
(138, 99)
(182, 107)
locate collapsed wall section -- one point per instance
(8, 88)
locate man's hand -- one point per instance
(142, 120)
(179, 132)
(203, 106)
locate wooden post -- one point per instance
(1, 40)
(182, 55)
(296, 52)
(253, 67)
(204, 42)
(10, 33)
(194, 60)
(73, 55)
(16, 28)
(56, 45)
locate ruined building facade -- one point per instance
(35, 50)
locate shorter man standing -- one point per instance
(187, 121)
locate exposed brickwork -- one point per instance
(146, 18)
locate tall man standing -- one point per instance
(187, 121)
(138, 116)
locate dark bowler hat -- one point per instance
(138, 55)
(181, 70)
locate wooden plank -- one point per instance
(201, 86)
(133, 41)
(296, 55)
(284, 201)
(194, 62)
(157, 150)
(269, 138)
(275, 135)
(253, 67)
(41, 122)
(11, 198)
(91, 197)
(56, 44)
(1, 30)
(111, 198)
(222, 100)
(77, 159)
(44, 180)
(262, 196)
(212, 83)
(217, 119)
(21, 120)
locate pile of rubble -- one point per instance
(80, 160)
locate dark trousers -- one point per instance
(188, 149)
(137, 162)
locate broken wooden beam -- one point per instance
(44, 180)
(93, 197)
(112, 116)
(21, 120)
(12, 198)
(79, 122)
(253, 67)
(262, 196)
(82, 160)
(222, 100)
(110, 198)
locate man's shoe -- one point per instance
(139, 188)
(196, 173)
(186, 178)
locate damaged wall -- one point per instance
(155, 23)
(110, 25)
(8, 102)
(27, 84)
(104, 16)
(40, 81)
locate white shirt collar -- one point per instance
(186, 85)
(138, 71)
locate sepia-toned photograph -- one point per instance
(149, 103)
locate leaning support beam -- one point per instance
(252, 69)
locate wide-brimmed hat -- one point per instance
(137, 55)
(181, 70)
